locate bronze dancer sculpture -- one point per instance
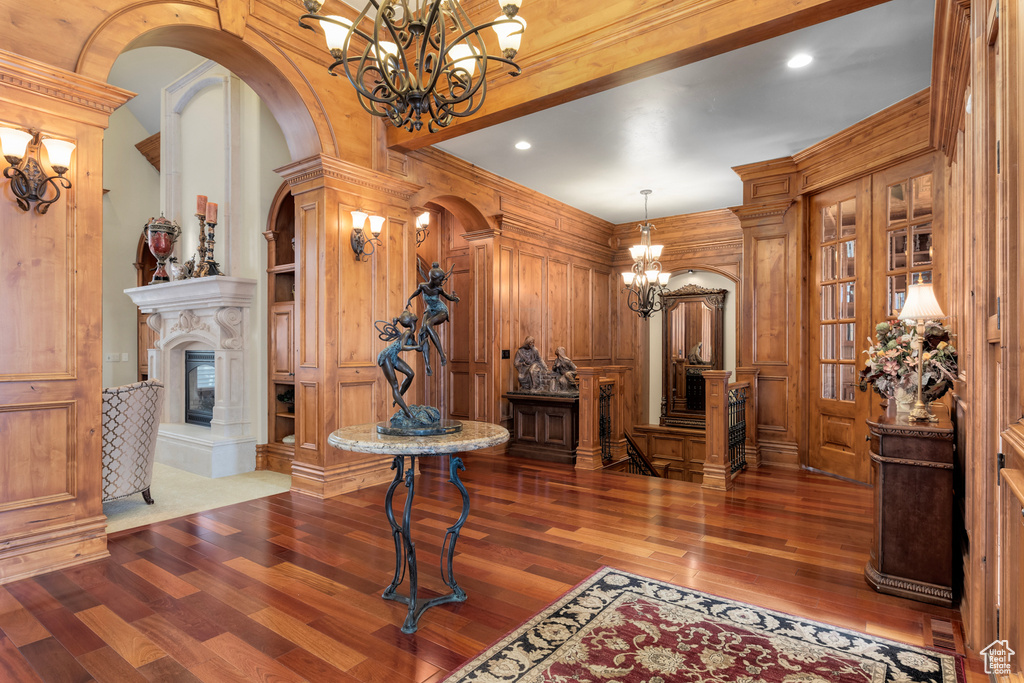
(435, 311)
(391, 363)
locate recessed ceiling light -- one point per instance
(800, 60)
(523, 144)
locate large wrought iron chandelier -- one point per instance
(646, 281)
(425, 57)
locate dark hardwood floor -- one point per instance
(287, 588)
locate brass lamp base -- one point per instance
(922, 413)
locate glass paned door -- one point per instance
(840, 242)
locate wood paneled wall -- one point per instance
(536, 267)
(977, 121)
(50, 347)
(773, 216)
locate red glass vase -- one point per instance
(161, 235)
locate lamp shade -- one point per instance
(423, 219)
(376, 224)
(628, 276)
(14, 142)
(59, 152)
(359, 219)
(336, 31)
(921, 304)
(510, 32)
(464, 56)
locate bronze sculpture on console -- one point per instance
(566, 381)
(536, 378)
(414, 420)
(531, 367)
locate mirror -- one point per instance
(693, 342)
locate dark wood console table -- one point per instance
(912, 472)
(545, 426)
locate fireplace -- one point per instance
(203, 356)
(200, 387)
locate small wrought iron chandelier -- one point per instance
(646, 281)
(425, 57)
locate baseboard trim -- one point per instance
(57, 547)
(326, 482)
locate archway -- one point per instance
(258, 61)
(455, 388)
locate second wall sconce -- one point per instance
(361, 244)
(422, 221)
(29, 182)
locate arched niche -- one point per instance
(461, 239)
(707, 276)
(261, 64)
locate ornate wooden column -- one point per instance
(588, 452)
(337, 299)
(771, 306)
(51, 349)
(717, 473)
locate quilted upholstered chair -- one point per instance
(131, 418)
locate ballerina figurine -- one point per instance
(436, 312)
(391, 363)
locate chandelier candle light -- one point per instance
(424, 57)
(920, 307)
(646, 281)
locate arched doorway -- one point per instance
(461, 389)
(254, 191)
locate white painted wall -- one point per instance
(133, 198)
(220, 140)
(708, 280)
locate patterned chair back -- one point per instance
(131, 418)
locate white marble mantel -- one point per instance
(211, 314)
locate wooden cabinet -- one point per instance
(545, 427)
(281, 407)
(912, 469)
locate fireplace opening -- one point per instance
(199, 387)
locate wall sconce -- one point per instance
(422, 221)
(361, 244)
(28, 181)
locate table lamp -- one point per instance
(921, 307)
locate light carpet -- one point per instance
(618, 627)
(177, 493)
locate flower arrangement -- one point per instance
(891, 365)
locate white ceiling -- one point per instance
(681, 132)
(678, 133)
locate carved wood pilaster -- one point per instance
(951, 72)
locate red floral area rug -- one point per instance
(618, 627)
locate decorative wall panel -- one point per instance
(771, 300)
(308, 245)
(39, 443)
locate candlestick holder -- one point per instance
(199, 265)
(212, 267)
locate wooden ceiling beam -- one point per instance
(582, 47)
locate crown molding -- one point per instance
(322, 166)
(64, 87)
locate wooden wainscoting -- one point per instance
(677, 453)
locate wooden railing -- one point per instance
(726, 439)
